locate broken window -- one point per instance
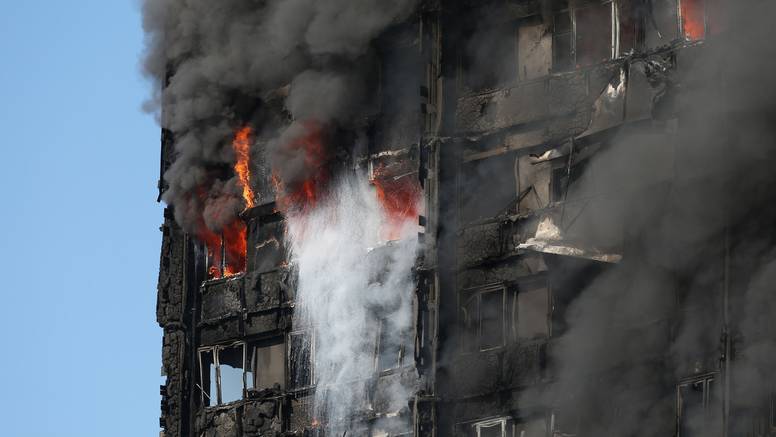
(231, 366)
(301, 359)
(482, 316)
(267, 365)
(699, 407)
(222, 374)
(208, 380)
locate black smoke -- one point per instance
(218, 65)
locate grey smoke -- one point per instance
(677, 195)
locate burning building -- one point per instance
(506, 218)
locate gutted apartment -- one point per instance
(591, 258)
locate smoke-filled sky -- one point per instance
(79, 224)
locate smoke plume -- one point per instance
(684, 198)
(220, 65)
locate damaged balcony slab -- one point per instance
(549, 240)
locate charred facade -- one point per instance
(595, 246)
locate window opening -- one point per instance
(301, 359)
(482, 317)
(699, 408)
(208, 378)
(266, 367)
(532, 314)
(222, 374)
(562, 42)
(693, 19)
(491, 428)
(593, 34)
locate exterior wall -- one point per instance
(516, 142)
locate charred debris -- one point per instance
(590, 191)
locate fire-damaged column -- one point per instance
(171, 314)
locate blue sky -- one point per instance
(79, 237)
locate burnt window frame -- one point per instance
(706, 379)
(524, 285)
(680, 20)
(510, 313)
(476, 293)
(401, 361)
(214, 351)
(503, 421)
(291, 383)
(254, 370)
(570, 10)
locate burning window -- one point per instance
(693, 19)
(301, 359)
(482, 316)
(222, 374)
(698, 404)
(226, 252)
(266, 366)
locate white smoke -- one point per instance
(349, 285)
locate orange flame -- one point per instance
(399, 197)
(693, 19)
(242, 147)
(233, 240)
(227, 248)
(301, 197)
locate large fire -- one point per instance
(242, 148)
(227, 248)
(302, 196)
(226, 251)
(399, 196)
